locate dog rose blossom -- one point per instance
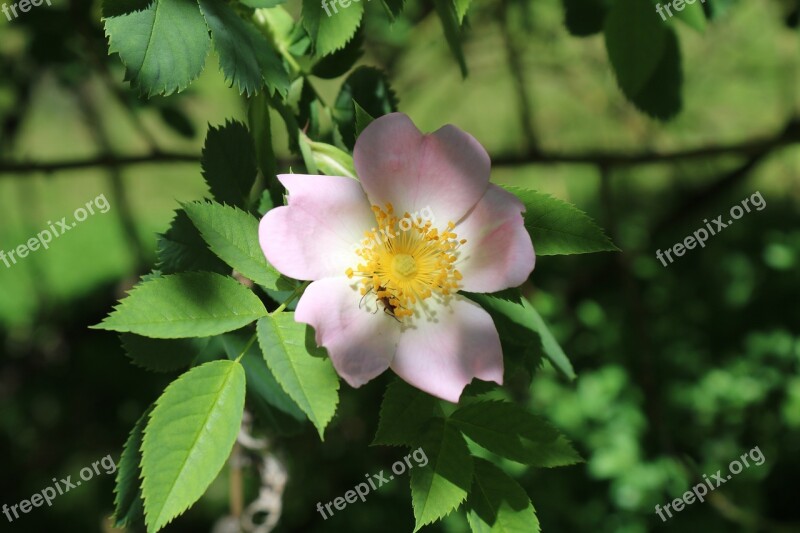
(389, 253)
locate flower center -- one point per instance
(406, 261)
(404, 265)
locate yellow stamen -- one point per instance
(407, 261)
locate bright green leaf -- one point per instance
(189, 438)
(498, 504)
(462, 6)
(232, 234)
(246, 57)
(300, 367)
(559, 228)
(163, 47)
(330, 25)
(363, 119)
(327, 159)
(185, 305)
(265, 395)
(693, 15)
(404, 412)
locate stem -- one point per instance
(246, 348)
(300, 288)
(237, 492)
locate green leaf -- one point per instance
(128, 503)
(246, 57)
(331, 29)
(644, 53)
(326, 158)
(338, 63)
(693, 15)
(520, 324)
(300, 367)
(229, 163)
(521, 343)
(261, 126)
(178, 121)
(441, 485)
(256, 4)
(512, 432)
(189, 437)
(404, 413)
(462, 6)
(232, 234)
(370, 88)
(182, 249)
(185, 305)
(115, 8)
(559, 228)
(161, 355)
(498, 504)
(552, 349)
(266, 396)
(363, 119)
(446, 9)
(394, 7)
(163, 47)
(585, 17)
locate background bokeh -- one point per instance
(681, 369)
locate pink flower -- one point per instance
(389, 253)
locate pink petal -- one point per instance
(498, 253)
(447, 171)
(443, 355)
(316, 235)
(360, 344)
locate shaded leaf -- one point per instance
(229, 163)
(439, 487)
(498, 504)
(404, 414)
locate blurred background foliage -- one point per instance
(681, 369)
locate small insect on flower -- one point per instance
(359, 244)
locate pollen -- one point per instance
(405, 261)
